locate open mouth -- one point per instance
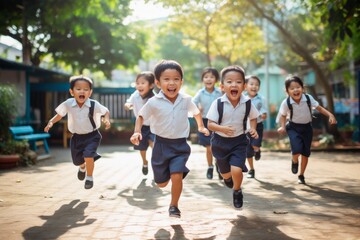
(172, 91)
(82, 97)
(234, 93)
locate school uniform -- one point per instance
(138, 102)
(169, 122)
(260, 104)
(230, 150)
(299, 128)
(85, 139)
(204, 99)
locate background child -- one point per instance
(168, 113)
(229, 140)
(298, 107)
(144, 91)
(84, 120)
(203, 99)
(253, 148)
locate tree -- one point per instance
(85, 34)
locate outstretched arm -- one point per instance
(136, 137)
(282, 121)
(52, 121)
(106, 120)
(323, 111)
(201, 127)
(252, 130)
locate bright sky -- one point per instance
(149, 10)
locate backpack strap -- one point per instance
(91, 114)
(247, 111)
(220, 108)
(291, 108)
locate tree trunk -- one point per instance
(26, 51)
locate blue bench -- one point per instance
(27, 133)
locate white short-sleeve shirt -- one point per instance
(260, 104)
(137, 102)
(167, 119)
(205, 98)
(232, 116)
(301, 112)
(78, 118)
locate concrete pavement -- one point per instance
(46, 201)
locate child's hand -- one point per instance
(128, 106)
(204, 130)
(48, 126)
(229, 130)
(107, 123)
(135, 138)
(253, 133)
(281, 130)
(332, 119)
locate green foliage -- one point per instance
(8, 103)
(84, 34)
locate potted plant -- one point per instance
(11, 152)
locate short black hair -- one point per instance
(73, 80)
(149, 76)
(211, 70)
(247, 78)
(233, 68)
(293, 78)
(167, 64)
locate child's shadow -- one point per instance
(179, 233)
(68, 216)
(143, 196)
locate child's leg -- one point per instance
(251, 163)
(176, 188)
(89, 166)
(209, 156)
(143, 157)
(295, 158)
(237, 176)
(304, 162)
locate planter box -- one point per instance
(9, 161)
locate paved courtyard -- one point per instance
(46, 201)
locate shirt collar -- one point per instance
(74, 103)
(303, 99)
(243, 98)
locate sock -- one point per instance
(211, 166)
(82, 169)
(145, 166)
(90, 178)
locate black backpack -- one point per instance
(291, 108)
(220, 107)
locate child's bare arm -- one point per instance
(323, 111)
(106, 120)
(52, 121)
(282, 122)
(252, 130)
(228, 130)
(136, 137)
(201, 127)
(128, 106)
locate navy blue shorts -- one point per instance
(204, 140)
(229, 152)
(300, 136)
(85, 146)
(147, 136)
(255, 142)
(169, 156)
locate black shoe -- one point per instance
(209, 173)
(238, 199)
(294, 167)
(81, 175)
(145, 170)
(251, 173)
(217, 170)
(257, 155)
(229, 182)
(301, 179)
(174, 212)
(89, 184)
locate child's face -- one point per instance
(233, 85)
(252, 87)
(81, 91)
(170, 83)
(295, 91)
(209, 81)
(143, 86)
